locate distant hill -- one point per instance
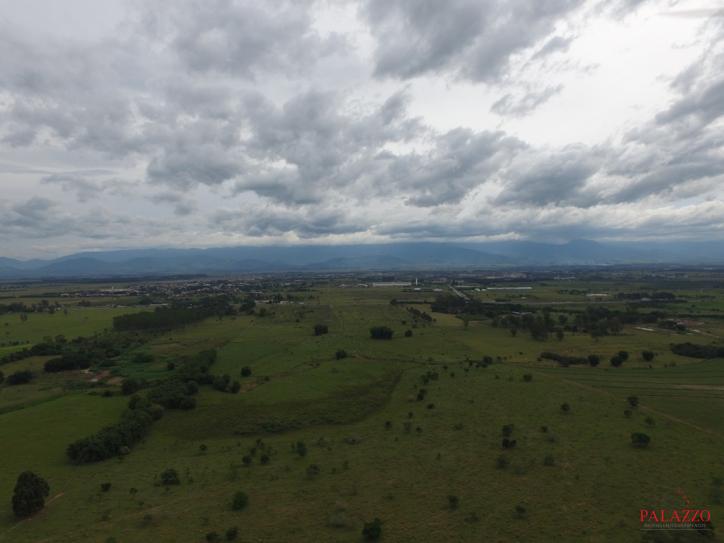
(392, 256)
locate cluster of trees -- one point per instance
(174, 394)
(419, 315)
(224, 383)
(69, 361)
(381, 332)
(566, 360)
(175, 316)
(44, 348)
(116, 439)
(19, 307)
(657, 296)
(693, 350)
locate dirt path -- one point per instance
(642, 407)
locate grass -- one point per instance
(379, 451)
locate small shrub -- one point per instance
(300, 448)
(232, 533)
(520, 511)
(548, 460)
(627, 413)
(313, 470)
(507, 430)
(320, 329)
(246, 459)
(212, 537)
(527, 377)
(502, 462)
(640, 440)
(372, 531)
(246, 371)
(170, 477)
(453, 502)
(650, 421)
(408, 333)
(633, 401)
(565, 407)
(239, 501)
(105, 487)
(340, 354)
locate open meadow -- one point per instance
(470, 423)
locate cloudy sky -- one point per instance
(233, 122)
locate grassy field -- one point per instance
(373, 449)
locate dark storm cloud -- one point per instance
(468, 38)
(275, 221)
(459, 161)
(550, 178)
(240, 37)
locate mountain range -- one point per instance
(391, 256)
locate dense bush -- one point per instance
(21, 377)
(113, 440)
(173, 394)
(164, 318)
(381, 332)
(697, 351)
(640, 440)
(372, 531)
(648, 356)
(68, 361)
(564, 360)
(29, 495)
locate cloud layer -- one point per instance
(233, 122)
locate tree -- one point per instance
(594, 359)
(30, 493)
(232, 533)
(640, 440)
(616, 361)
(246, 371)
(2, 377)
(239, 501)
(129, 386)
(372, 531)
(623, 355)
(320, 329)
(340, 354)
(408, 333)
(633, 401)
(565, 407)
(648, 356)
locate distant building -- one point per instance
(392, 284)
